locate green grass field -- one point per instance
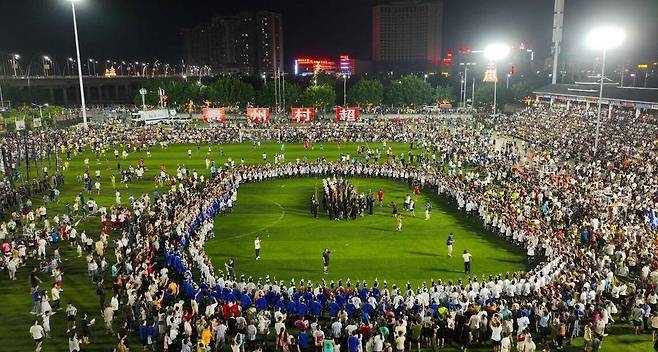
(364, 249)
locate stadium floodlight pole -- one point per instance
(603, 38)
(493, 53)
(465, 82)
(473, 94)
(464, 92)
(345, 90)
(77, 51)
(558, 23)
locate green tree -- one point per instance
(443, 94)
(320, 96)
(484, 95)
(230, 91)
(265, 95)
(409, 90)
(151, 98)
(323, 78)
(366, 92)
(180, 92)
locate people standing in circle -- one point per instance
(257, 247)
(449, 242)
(325, 260)
(467, 262)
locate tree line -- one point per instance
(325, 91)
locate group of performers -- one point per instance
(341, 200)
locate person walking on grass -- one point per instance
(380, 197)
(257, 248)
(449, 242)
(467, 262)
(38, 334)
(325, 260)
(428, 210)
(398, 221)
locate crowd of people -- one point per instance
(585, 217)
(341, 200)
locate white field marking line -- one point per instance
(283, 214)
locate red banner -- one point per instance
(213, 114)
(302, 114)
(258, 115)
(347, 114)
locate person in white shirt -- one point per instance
(257, 248)
(37, 333)
(505, 343)
(467, 262)
(530, 345)
(74, 343)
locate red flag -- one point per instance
(213, 114)
(258, 115)
(347, 114)
(302, 114)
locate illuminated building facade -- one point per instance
(305, 66)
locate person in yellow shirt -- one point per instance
(173, 287)
(206, 335)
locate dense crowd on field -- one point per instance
(585, 218)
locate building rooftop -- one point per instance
(611, 91)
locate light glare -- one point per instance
(496, 51)
(605, 37)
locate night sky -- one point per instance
(150, 29)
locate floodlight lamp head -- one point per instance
(497, 51)
(602, 38)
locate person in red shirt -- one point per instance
(380, 197)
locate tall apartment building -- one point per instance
(246, 43)
(269, 41)
(407, 35)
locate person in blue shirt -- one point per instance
(303, 341)
(584, 235)
(353, 342)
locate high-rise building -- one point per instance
(407, 35)
(269, 41)
(246, 43)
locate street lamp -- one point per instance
(69, 65)
(46, 65)
(464, 81)
(493, 53)
(508, 76)
(14, 63)
(603, 38)
(77, 51)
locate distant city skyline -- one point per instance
(152, 29)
